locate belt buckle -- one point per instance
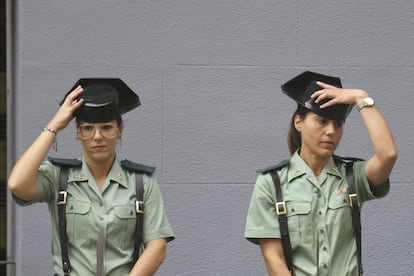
(62, 197)
(281, 208)
(139, 206)
(351, 199)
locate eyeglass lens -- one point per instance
(88, 131)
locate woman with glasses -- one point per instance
(101, 206)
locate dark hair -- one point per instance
(294, 138)
(117, 119)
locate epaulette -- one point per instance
(65, 162)
(346, 159)
(137, 167)
(275, 167)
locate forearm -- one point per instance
(151, 259)
(272, 252)
(276, 266)
(379, 166)
(22, 179)
(23, 175)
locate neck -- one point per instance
(315, 163)
(100, 170)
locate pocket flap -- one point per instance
(339, 201)
(298, 208)
(77, 207)
(125, 212)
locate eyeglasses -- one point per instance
(106, 130)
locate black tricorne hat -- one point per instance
(105, 99)
(304, 85)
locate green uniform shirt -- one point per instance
(319, 215)
(89, 209)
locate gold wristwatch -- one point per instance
(366, 102)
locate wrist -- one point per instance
(365, 102)
(360, 96)
(51, 130)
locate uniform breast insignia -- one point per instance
(341, 191)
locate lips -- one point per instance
(327, 143)
(98, 148)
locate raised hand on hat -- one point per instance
(65, 113)
(23, 175)
(337, 95)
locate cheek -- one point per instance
(340, 135)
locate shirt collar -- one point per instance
(298, 167)
(116, 174)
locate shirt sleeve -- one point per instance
(364, 189)
(46, 185)
(156, 224)
(261, 219)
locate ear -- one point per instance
(77, 135)
(121, 129)
(297, 121)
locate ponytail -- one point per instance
(294, 136)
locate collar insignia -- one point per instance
(120, 176)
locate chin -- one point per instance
(99, 157)
(326, 153)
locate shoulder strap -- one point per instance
(281, 212)
(139, 170)
(356, 215)
(61, 202)
(65, 165)
(139, 208)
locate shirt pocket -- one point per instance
(78, 220)
(298, 214)
(340, 217)
(123, 229)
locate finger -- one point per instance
(325, 85)
(320, 95)
(74, 95)
(329, 103)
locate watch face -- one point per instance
(369, 101)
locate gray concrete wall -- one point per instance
(209, 74)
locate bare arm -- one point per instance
(272, 252)
(151, 259)
(380, 165)
(22, 178)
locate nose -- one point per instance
(331, 127)
(97, 134)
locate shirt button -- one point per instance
(319, 195)
(324, 248)
(322, 231)
(101, 204)
(320, 213)
(325, 266)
